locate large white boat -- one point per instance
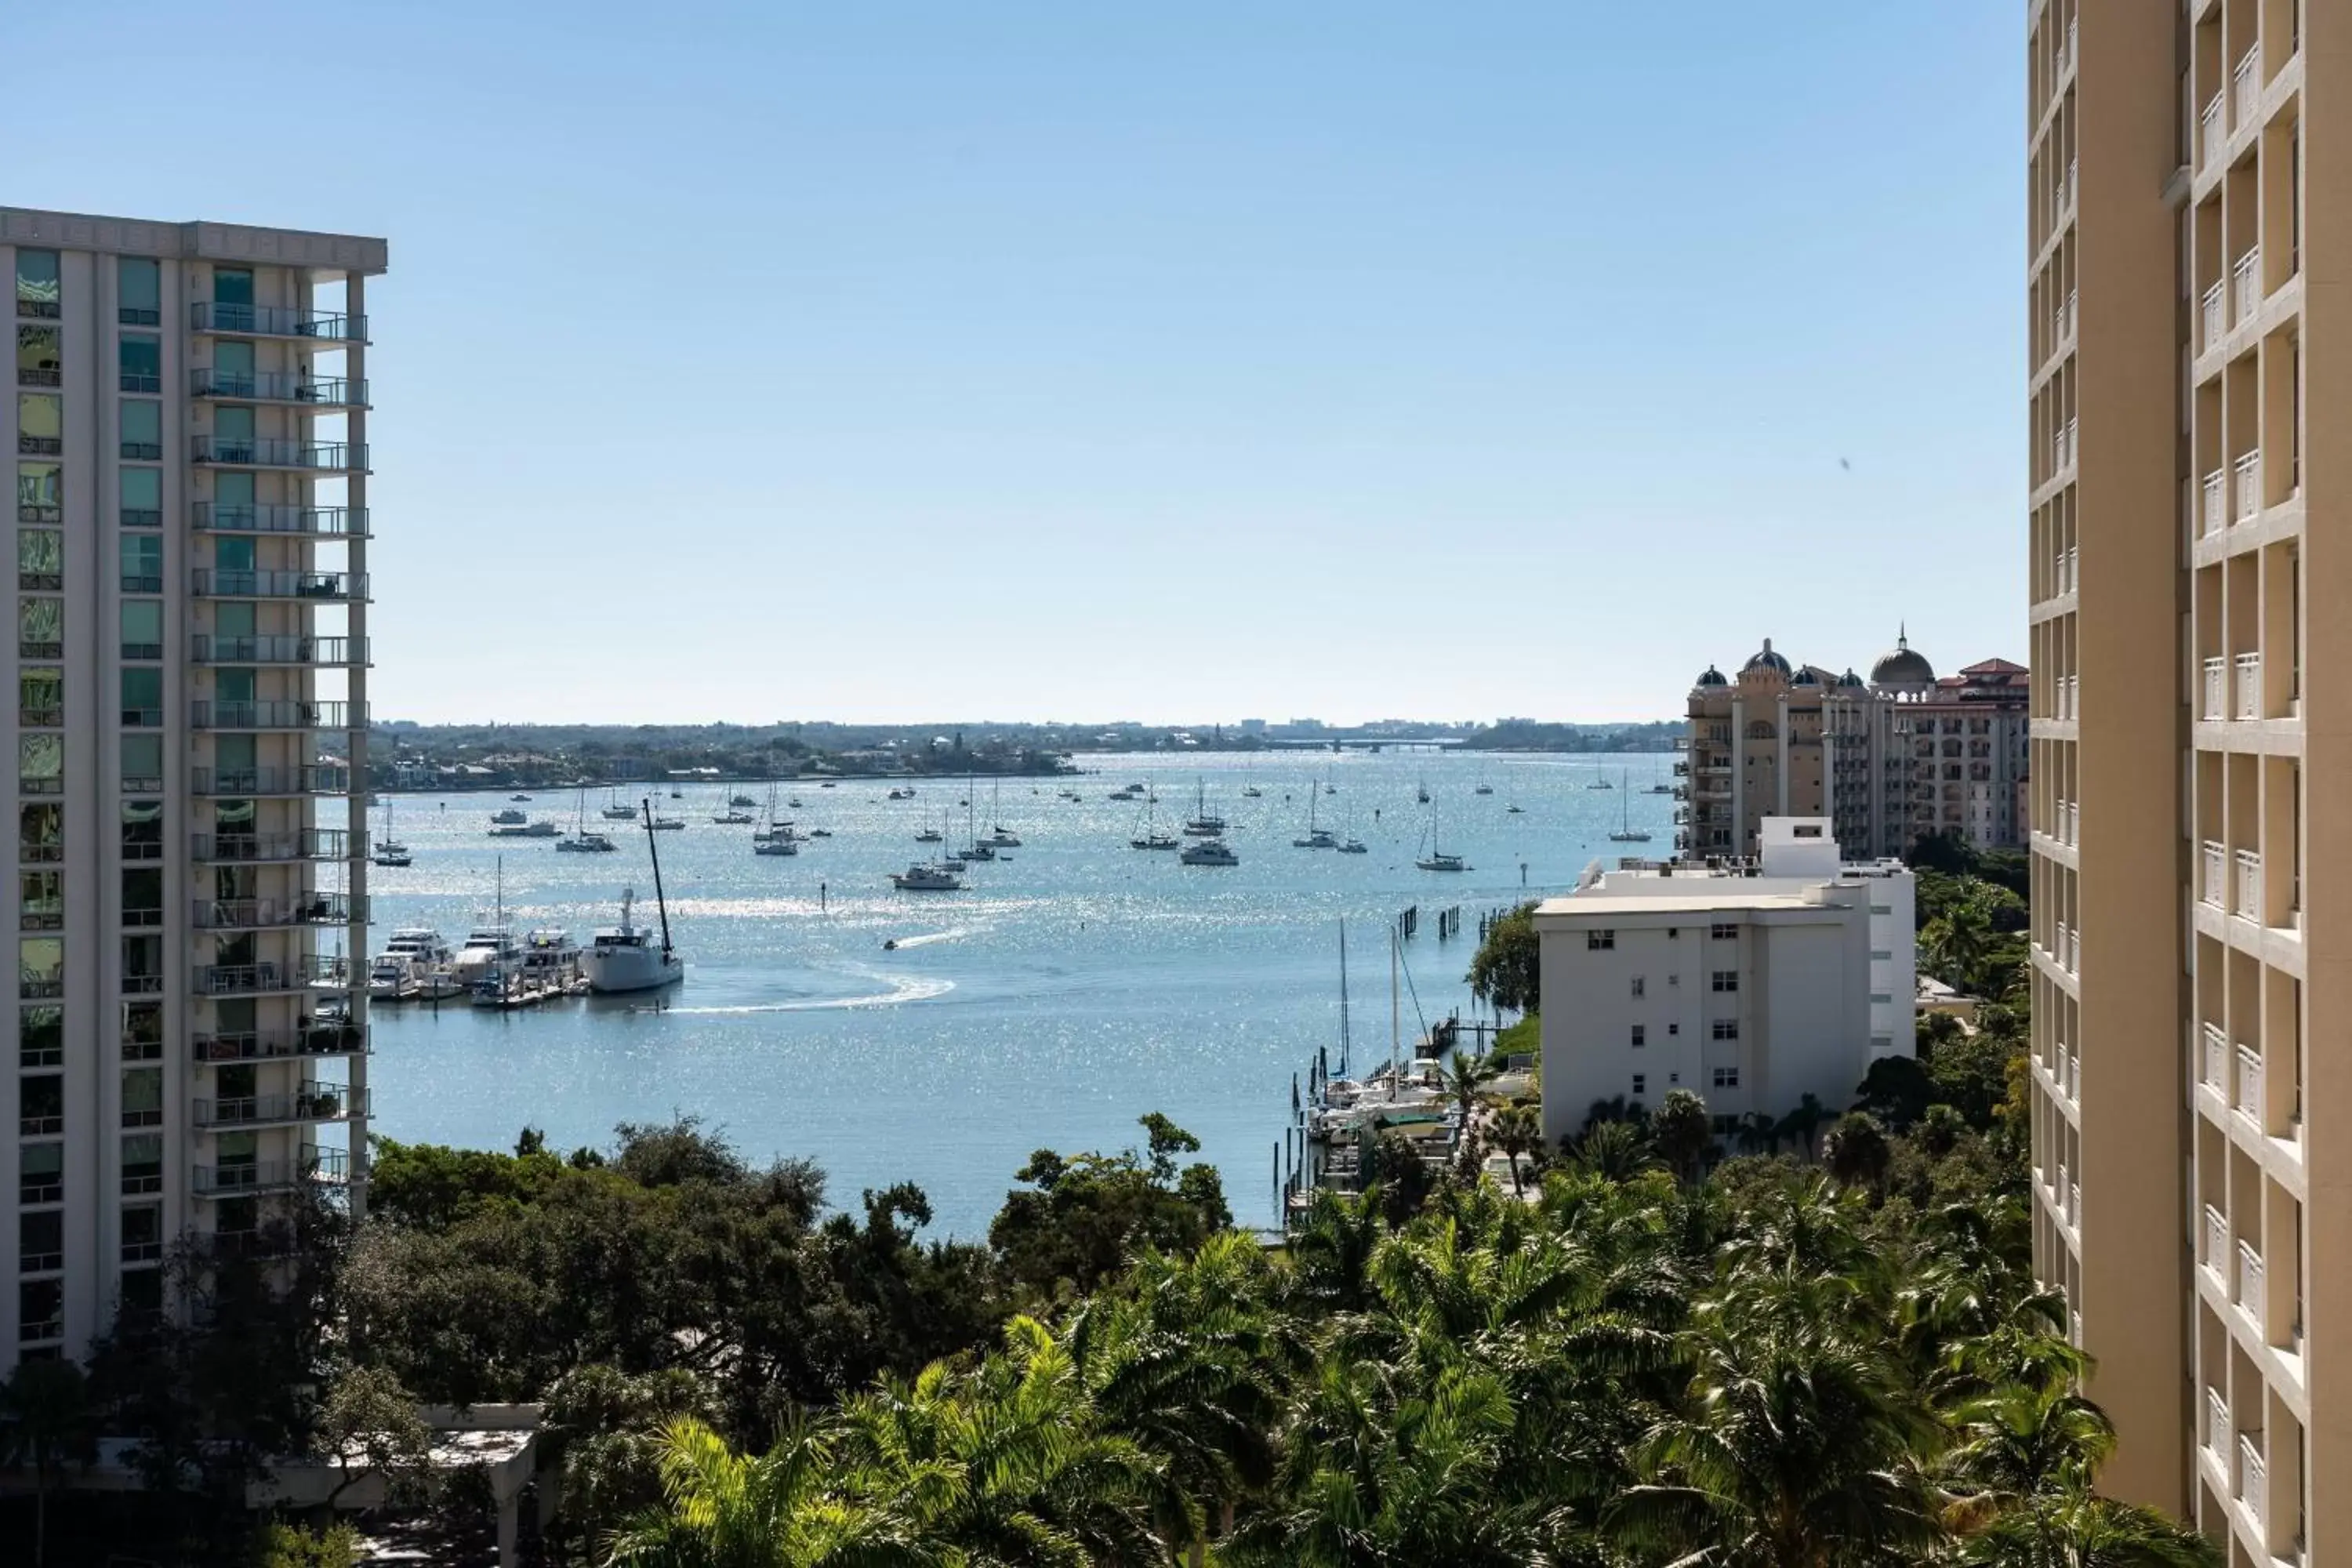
(543, 828)
(408, 963)
(586, 842)
(775, 844)
(1210, 852)
(928, 879)
(508, 816)
(485, 948)
(625, 957)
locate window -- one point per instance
(142, 963)
(1600, 941)
(37, 284)
(142, 763)
(142, 699)
(40, 629)
(142, 1235)
(142, 1164)
(1641, 1082)
(40, 900)
(40, 558)
(1724, 930)
(142, 896)
(40, 1310)
(142, 1031)
(142, 564)
(41, 1037)
(1880, 953)
(142, 820)
(41, 1173)
(41, 834)
(40, 423)
(40, 968)
(139, 293)
(140, 361)
(1880, 997)
(1882, 908)
(1637, 986)
(41, 1242)
(143, 498)
(1673, 1029)
(1725, 1028)
(1806, 830)
(40, 764)
(1725, 980)
(142, 1094)
(41, 493)
(40, 357)
(142, 628)
(143, 429)
(41, 1104)
(1641, 1037)
(233, 284)
(1727, 1077)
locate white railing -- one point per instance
(2250, 885)
(2250, 1084)
(2215, 315)
(2067, 316)
(2058, 1188)
(2248, 275)
(2075, 1075)
(2250, 1280)
(2062, 448)
(2214, 887)
(2217, 688)
(2210, 123)
(2250, 684)
(2070, 566)
(2074, 810)
(2217, 1068)
(2216, 514)
(2253, 1477)
(2074, 951)
(2075, 1204)
(2246, 82)
(2250, 485)
(2058, 945)
(2217, 1423)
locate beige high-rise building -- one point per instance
(2187, 1009)
(188, 427)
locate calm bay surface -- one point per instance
(1075, 985)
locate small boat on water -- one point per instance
(979, 849)
(543, 828)
(1316, 836)
(734, 818)
(930, 836)
(922, 878)
(1484, 789)
(1210, 852)
(1626, 832)
(508, 817)
(668, 824)
(1250, 792)
(519, 797)
(743, 802)
(389, 846)
(794, 804)
(617, 810)
(1202, 825)
(1601, 783)
(1354, 847)
(1514, 810)
(586, 842)
(1438, 859)
(776, 843)
(896, 793)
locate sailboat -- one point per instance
(1002, 837)
(579, 841)
(391, 852)
(1318, 837)
(1152, 836)
(1626, 832)
(1422, 794)
(1438, 859)
(615, 810)
(623, 958)
(975, 847)
(1484, 789)
(934, 835)
(1202, 825)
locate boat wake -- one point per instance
(903, 989)
(901, 943)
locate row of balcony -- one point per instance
(2248, 692)
(2065, 691)
(244, 783)
(2247, 1276)
(241, 583)
(2064, 448)
(262, 848)
(312, 1102)
(2066, 948)
(320, 1166)
(2240, 896)
(2215, 123)
(279, 650)
(310, 908)
(218, 319)
(2233, 494)
(311, 971)
(278, 386)
(305, 522)
(2066, 1196)
(311, 1038)
(277, 715)
(280, 452)
(2241, 1092)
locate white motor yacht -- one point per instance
(1354, 847)
(928, 879)
(741, 802)
(775, 844)
(586, 842)
(486, 949)
(508, 816)
(543, 828)
(1210, 852)
(625, 957)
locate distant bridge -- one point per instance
(1364, 743)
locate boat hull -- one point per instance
(615, 970)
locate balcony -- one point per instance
(2250, 1280)
(2217, 1424)
(303, 522)
(2253, 1477)
(2074, 956)
(2250, 1085)
(2062, 448)
(2213, 316)
(2217, 1060)
(278, 386)
(2213, 886)
(271, 979)
(2217, 1259)
(275, 452)
(279, 715)
(2217, 688)
(228, 320)
(275, 914)
(2069, 571)
(313, 1102)
(2212, 138)
(343, 587)
(246, 783)
(2064, 324)
(2246, 86)
(2250, 684)
(2247, 277)
(2215, 513)
(281, 649)
(272, 848)
(2250, 886)
(327, 1166)
(2250, 485)
(312, 1039)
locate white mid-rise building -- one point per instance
(1751, 983)
(188, 426)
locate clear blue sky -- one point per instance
(916, 358)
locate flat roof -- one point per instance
(1725, 898)
(200, 240)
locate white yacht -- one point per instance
(928, 879)
(508, 816)
(1354, 847)
(626, 957)
(1210, 852)
(774, 844)
(543, 828)
(408, 963)
(586, 842)
(486, 948)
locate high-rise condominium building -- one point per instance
(1887, 761)
(188, 424)
(2189, 1200)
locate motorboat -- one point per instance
(543, 828)
(928, 879)
(828, 833)
(732, 817)
(741, 802)
(775, 845)
(508, 816)
(901, 794)
(524, 798)
(795, 803)
(411, 956)
(626, 957)
(550, 960)
(1210, 852)
(485, 948)
(586, 842)
(1484, 789)
(1354, 847)
(1514, 810)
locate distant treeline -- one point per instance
(1526, 735)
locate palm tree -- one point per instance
(789, 1508)
(1804, 1121)
(1331, 1249)
(1955, 943)
(1857, 1150)
(1517, 1130)
(2079, 1530)
(1465, 1079)
(1682, 1132)
(1616, 1150)
(49, 1423)
(2020, 1442)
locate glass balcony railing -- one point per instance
(312, 1102)
(273, 914)
(313, 970)
(212, 582)
(306, 844)
(299, 650)
(247, 782)
(323, 1166)
(275, 452)
(276, 321)
(277, 715)
(310, 1038)
(278, 386)
(311, 522)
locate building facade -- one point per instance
(1887, 761)
(188, 426)
(2188, 1200)
(1751, 983)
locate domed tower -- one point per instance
(1765, 662)
(1902, 669)
(1710, 675)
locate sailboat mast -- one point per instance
(653, 847)
(1396, 1011)
(1343, 998)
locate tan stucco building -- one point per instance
(2182, 278)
